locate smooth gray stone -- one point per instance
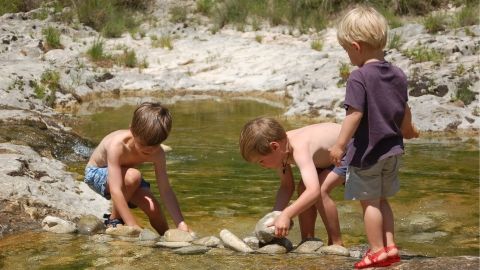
(308, 247)
(334, 250)
(272, 249)
(89, 225)
(232, 241)
(148, 235)
(191, 250)
(58, 225)
(208, 241)
(176, 235)
(263, 231)
(173, 244)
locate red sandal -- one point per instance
(395, 258)
(374, 262)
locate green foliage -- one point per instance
(464, 93)
(343, 72)
(316, 44)
(163, 42)
(96, 52)
(258, 38)
(435, 23)
(468, 15)
(423, 54)
(14, 6)
(127, 59)
(178, 14)
(205, 6)
(52, 38)
(51, 79)
(111, 17)
(395, 41)
(39, 90)
(460, 70)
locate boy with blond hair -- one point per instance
(111, 169)
(264, 141)
(378, 119)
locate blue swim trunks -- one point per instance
(340, 170)
(96, 178)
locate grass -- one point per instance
(51, 78)
(52, 38)
(435, 23)
(464, 93)
(205, 7)
(316, 44)
(423, 54)
(468, 15)
(162, 42)
(395, 41)
(343, 72)
(178, 14)
(258, 38)
(96, 51)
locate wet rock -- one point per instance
(272, 249)
(58, 225)
(176, 235)
(101, 238)
(309, 246)
(90, 224)
(232, 241)
(208, 241)
(191, 250)
(263, 231)
(334, 250)
(148, 235)
(427, 237)
(284, 242)
(173, 244)
(420, 223)
(252, 242)
(122, 230)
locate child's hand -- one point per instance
(282, 226)
(336, 154)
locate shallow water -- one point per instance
(436, 210)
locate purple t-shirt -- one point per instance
(379, 90)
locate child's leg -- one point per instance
(307, 218)
(327, 207)
(373, 220)
(388, 228)
(131, 179)
(144, 199)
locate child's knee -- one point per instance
(133, 177)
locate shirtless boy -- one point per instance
(111, 169)
(264, 141)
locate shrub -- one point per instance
(178, 14)
(423, 54)
(343, 72)
(39, 90)
(258, 38)
(52, 38)
(464, 93)
(96, 52)
(316, 44)
(468, 15)
(163, 42)
(205, 6)
(51, 79)
(435, 23)
(395, 41)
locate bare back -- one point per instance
(119, 142)
(314, 141)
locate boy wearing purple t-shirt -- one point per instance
(378, 119)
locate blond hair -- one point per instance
(256, 136)
(363, 24)
(151, 123)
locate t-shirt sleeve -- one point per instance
(355, 96)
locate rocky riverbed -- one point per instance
(35, 133)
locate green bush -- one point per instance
(395, 41)
(39, 90)
(178, 14)
(343, 72)
(52, 38)
(316, 44)
(423, 54)
(464, 93)
(205, 6)
(468, 15)
(435, 23)
(162, 42)
(51, 79)
(129, 58)
(96, 52)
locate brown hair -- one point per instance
(151, 123)
(256, 136)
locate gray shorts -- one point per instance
(375, 182)
(96, 178)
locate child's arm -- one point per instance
(166, 192)
(349, 126)
(306, 199)
(409, 131)
(116, 185)
(287, 187)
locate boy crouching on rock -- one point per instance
(264, 141)
(111, 170)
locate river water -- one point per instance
(436, 211)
